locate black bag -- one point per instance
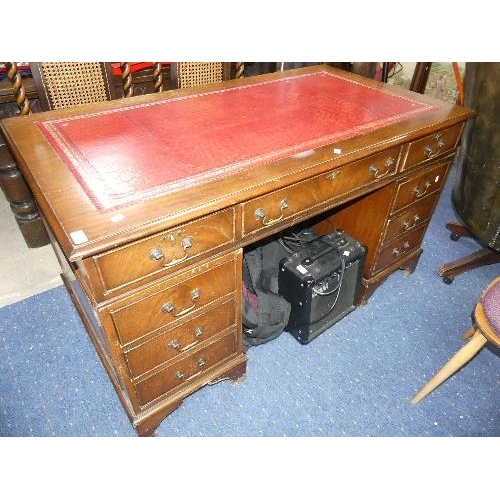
(265, 312)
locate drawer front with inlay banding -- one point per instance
(168, 301)
(286, 203)
(398, 249)
(186, 370)
(185, 337)
(156, 256)
(411, 218)
(432, 146)
(416, 188)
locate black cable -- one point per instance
(292, 242)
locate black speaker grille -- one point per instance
(309, 280)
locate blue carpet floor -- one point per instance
(356, 379)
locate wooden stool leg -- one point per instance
(455, 363)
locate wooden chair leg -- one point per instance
(459, 359)
(469, 333)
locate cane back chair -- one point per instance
(190, 74)
(65, 84)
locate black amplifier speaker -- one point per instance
(321, 281)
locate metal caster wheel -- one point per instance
(448, 280)
(454, 236)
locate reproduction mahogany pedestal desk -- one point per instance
(151, 200)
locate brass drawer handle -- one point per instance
(413, 222)
(397, 252)
(175, 344)
(373, 169)
(418, 193)
(429, 152)
(332, 175)
(157, 253)
(260, 214)
(201, 365)
(169, 307)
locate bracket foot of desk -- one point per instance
(407, 264)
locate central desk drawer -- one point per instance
(190, 369)
(285, 203)
(165, 251)
(183, 338)
(165, 303)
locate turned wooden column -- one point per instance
(15, 188)
(128, 89)
(157, 77)
(240, 69)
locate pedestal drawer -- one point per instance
(424, 184)
(432, 146)
(163, 252)
(285, 203)
(410, 219)
(170, 301)
(189, 369)
(181, 339)
(398, 248)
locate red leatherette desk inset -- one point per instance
(128, 154)
(151, 201)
